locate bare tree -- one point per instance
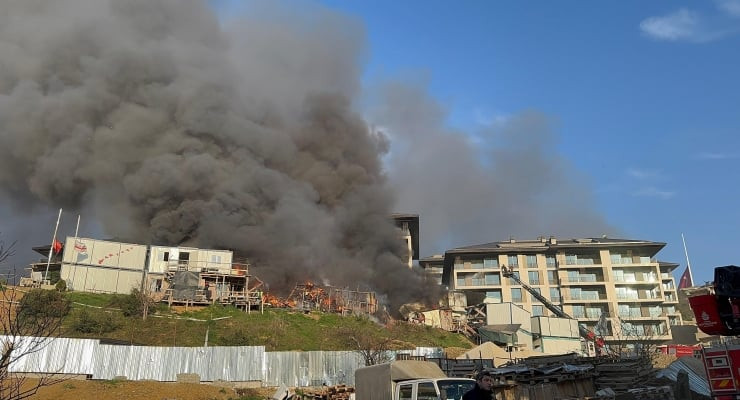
(6, 252)
(371, 344)
(28, 322)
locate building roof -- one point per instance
(554, 244)
(432, 259)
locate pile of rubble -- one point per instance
(622, 375)
(336, 392)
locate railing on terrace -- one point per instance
(634, 280)
(584, 278)
(639, 297)
(585, 296)
(640, 314)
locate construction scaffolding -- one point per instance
(311, 297)
(201, 284)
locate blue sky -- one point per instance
(645, 94)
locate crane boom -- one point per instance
(508, 273)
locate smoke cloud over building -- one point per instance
(171, 126)
(167, 124)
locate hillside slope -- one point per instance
(101, 316)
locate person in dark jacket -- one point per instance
(482, 389)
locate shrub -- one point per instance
(134, 304)
(61, 285)
(94, 321)
(40, 304)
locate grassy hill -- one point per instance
(101, 316)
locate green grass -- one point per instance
(276, 329)
(91, 299)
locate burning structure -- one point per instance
(202, 139)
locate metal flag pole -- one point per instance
(74, 249)
(688, 263)
(51, 249)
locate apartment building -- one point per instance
(619, 278)
(408, 231)
(433, 267)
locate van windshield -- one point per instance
(453, 389)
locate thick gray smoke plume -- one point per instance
(176, 128)
(513, 182)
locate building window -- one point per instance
(478, 279)
(579, 311)
(516, 295)
(550, 261)
(490, 263)
(460, 281)
(552, 277)
(583, 259)
(594, 312)
(494, 295)
(534, 277)
(512, 281)
(538, 311)
(216, 259)
(513, 261)
(531, 261)
(555, 294)
(163, 255)
(493, 279)
(476, 264)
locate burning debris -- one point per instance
(311, 297)
(174, 127)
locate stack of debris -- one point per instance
(337, 392)
(543, 383)
(625, 374)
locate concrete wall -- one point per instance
(510, 313)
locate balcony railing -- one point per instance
(584, 278)
(585, 296)
(640, 314)
(638, 297)
(636, 281)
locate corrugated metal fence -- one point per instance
(235, 364)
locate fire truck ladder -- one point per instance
(722, 381)
(584, 332)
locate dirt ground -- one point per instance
(143, 390)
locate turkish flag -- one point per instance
(685, 281)
(57, 246)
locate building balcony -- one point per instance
(477, 284)
(641, 298)
(643, 317)
(636, 281)
(569, 298)
(579, 266)
(587, 280)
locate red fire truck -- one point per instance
(717, 311)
